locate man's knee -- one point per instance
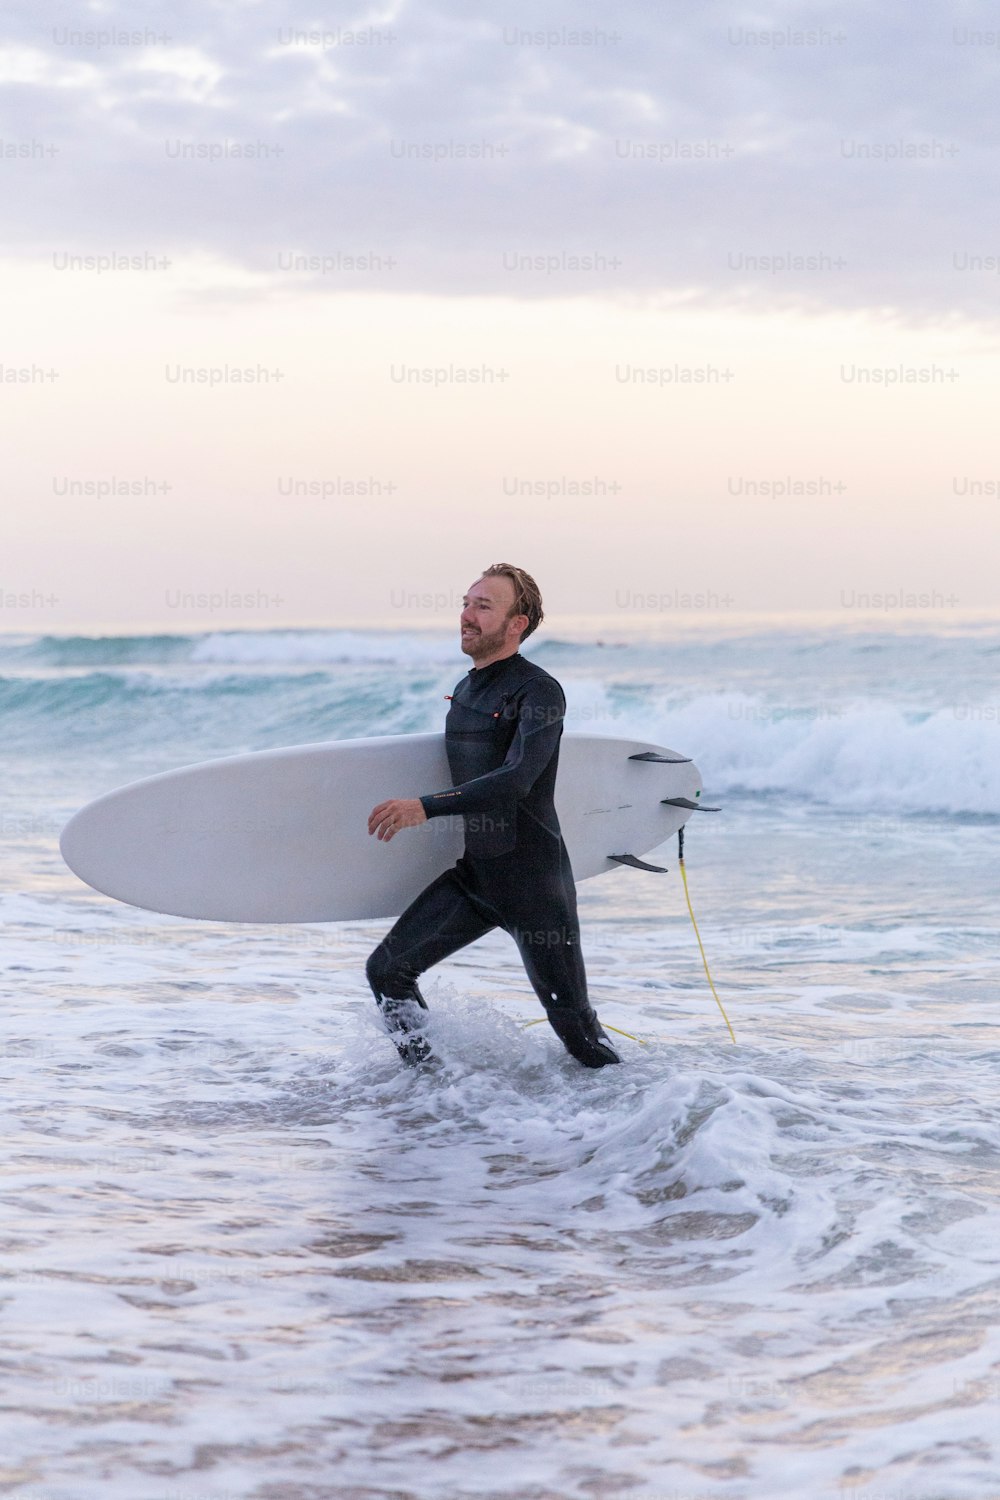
(390, 979)
(379, 969)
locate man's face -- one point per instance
(486, 621)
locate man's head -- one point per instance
(500, 610)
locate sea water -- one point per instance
(247, 1253)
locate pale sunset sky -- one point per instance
(309, 316)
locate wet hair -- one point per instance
(527, 596)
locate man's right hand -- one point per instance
(388, 818)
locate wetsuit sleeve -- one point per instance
(539, 726)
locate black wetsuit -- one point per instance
(502, 737)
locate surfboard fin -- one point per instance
(638, 864)
(686, 802)
(665, 760)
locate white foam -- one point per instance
(858, 755)
(319, 646)
(220, 1164)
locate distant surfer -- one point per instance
(502, 737)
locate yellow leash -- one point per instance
(701, 949)
(687, 896)
(605, 1026)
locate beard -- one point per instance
(480, 643)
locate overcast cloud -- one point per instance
(788, 116)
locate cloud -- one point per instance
(827, 157)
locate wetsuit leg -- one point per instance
(441, 920)
(551, 955)
(541, 916)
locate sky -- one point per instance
(308, 316)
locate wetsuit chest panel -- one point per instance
(478, 736)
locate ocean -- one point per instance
(247, 1255)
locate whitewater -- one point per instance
(246, 1255)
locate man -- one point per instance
(502, 737)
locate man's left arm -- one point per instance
(539, 727)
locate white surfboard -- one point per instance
(282, 835)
